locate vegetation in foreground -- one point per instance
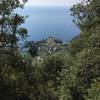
(71, 74)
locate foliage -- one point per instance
(87, 14)
(82, 72)
(72, 72)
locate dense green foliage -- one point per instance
(81, 78)
(50, 70)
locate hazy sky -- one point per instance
(66, 3)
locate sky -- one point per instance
(66, 3)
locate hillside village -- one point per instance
(49, 46)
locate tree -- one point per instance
(86, 14)
(82, 72)
(10, 32)
(13, 75)
(47, 77)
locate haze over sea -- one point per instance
(49, 21)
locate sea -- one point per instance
(42, 22)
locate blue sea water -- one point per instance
(49, 21)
